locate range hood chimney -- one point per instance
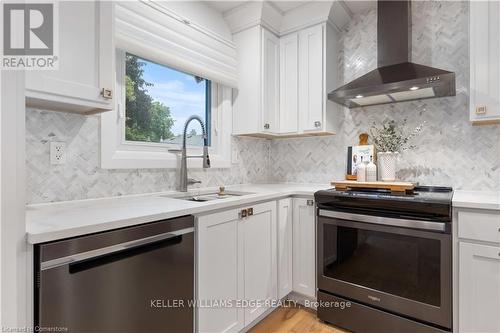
(396, 78)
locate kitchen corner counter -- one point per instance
(53, 221)
(477, 199)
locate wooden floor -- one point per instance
(293, 319)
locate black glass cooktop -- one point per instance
(424, 202)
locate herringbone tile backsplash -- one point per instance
(81, 177)
(450, 151)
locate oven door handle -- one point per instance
(414, 224)
(79, 257)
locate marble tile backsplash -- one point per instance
(450, 150)
(82, 178)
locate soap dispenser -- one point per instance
(371, 171)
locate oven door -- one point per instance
(397, 269)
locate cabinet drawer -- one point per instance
(479, 226)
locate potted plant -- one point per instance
(390, 139)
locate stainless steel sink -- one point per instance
(210, 196)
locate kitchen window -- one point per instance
(153, 101)
(159, 99)
(186, 70)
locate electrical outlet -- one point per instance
(57, 153)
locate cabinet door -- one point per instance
(259, 238)
(311, 97)
(484, 60)
(285, 221)
(270, 82)
(86, 57)
(289, 84)
(479, 288)
(304, 247)
(219, 271)
(247, 103)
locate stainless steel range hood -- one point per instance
(396, 79)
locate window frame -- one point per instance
(120, 77)
(118, 153)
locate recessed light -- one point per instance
(414, 88)
(359, 96)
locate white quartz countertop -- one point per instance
(477, 199)
(52, 221)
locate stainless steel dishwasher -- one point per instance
(136, 279)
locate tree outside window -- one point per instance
(159, 100)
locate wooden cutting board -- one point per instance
(392, 186)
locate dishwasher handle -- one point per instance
(130, 245)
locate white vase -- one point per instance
(387, 166)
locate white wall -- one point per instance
(13, 277)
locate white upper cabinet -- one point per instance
(289, 84)
(484, 61)
(305, 65)
(270, 81)
(256, 101)
(86, 62)
(311, 78)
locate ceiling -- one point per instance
(284, 6)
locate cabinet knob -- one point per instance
(310, 202)
(107, 93)
(266, 126)
(243, 213)
(481, 109)
(250, 211)
(317, 124)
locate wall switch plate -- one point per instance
(57, 153)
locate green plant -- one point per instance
(147, 120)
(393, 137)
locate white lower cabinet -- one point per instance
(479, 288)
(219, 271)
(478, 270)
(258, 233)
(285, 228)
(304, 247)
(236, 260)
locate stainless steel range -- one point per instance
(387, 254)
